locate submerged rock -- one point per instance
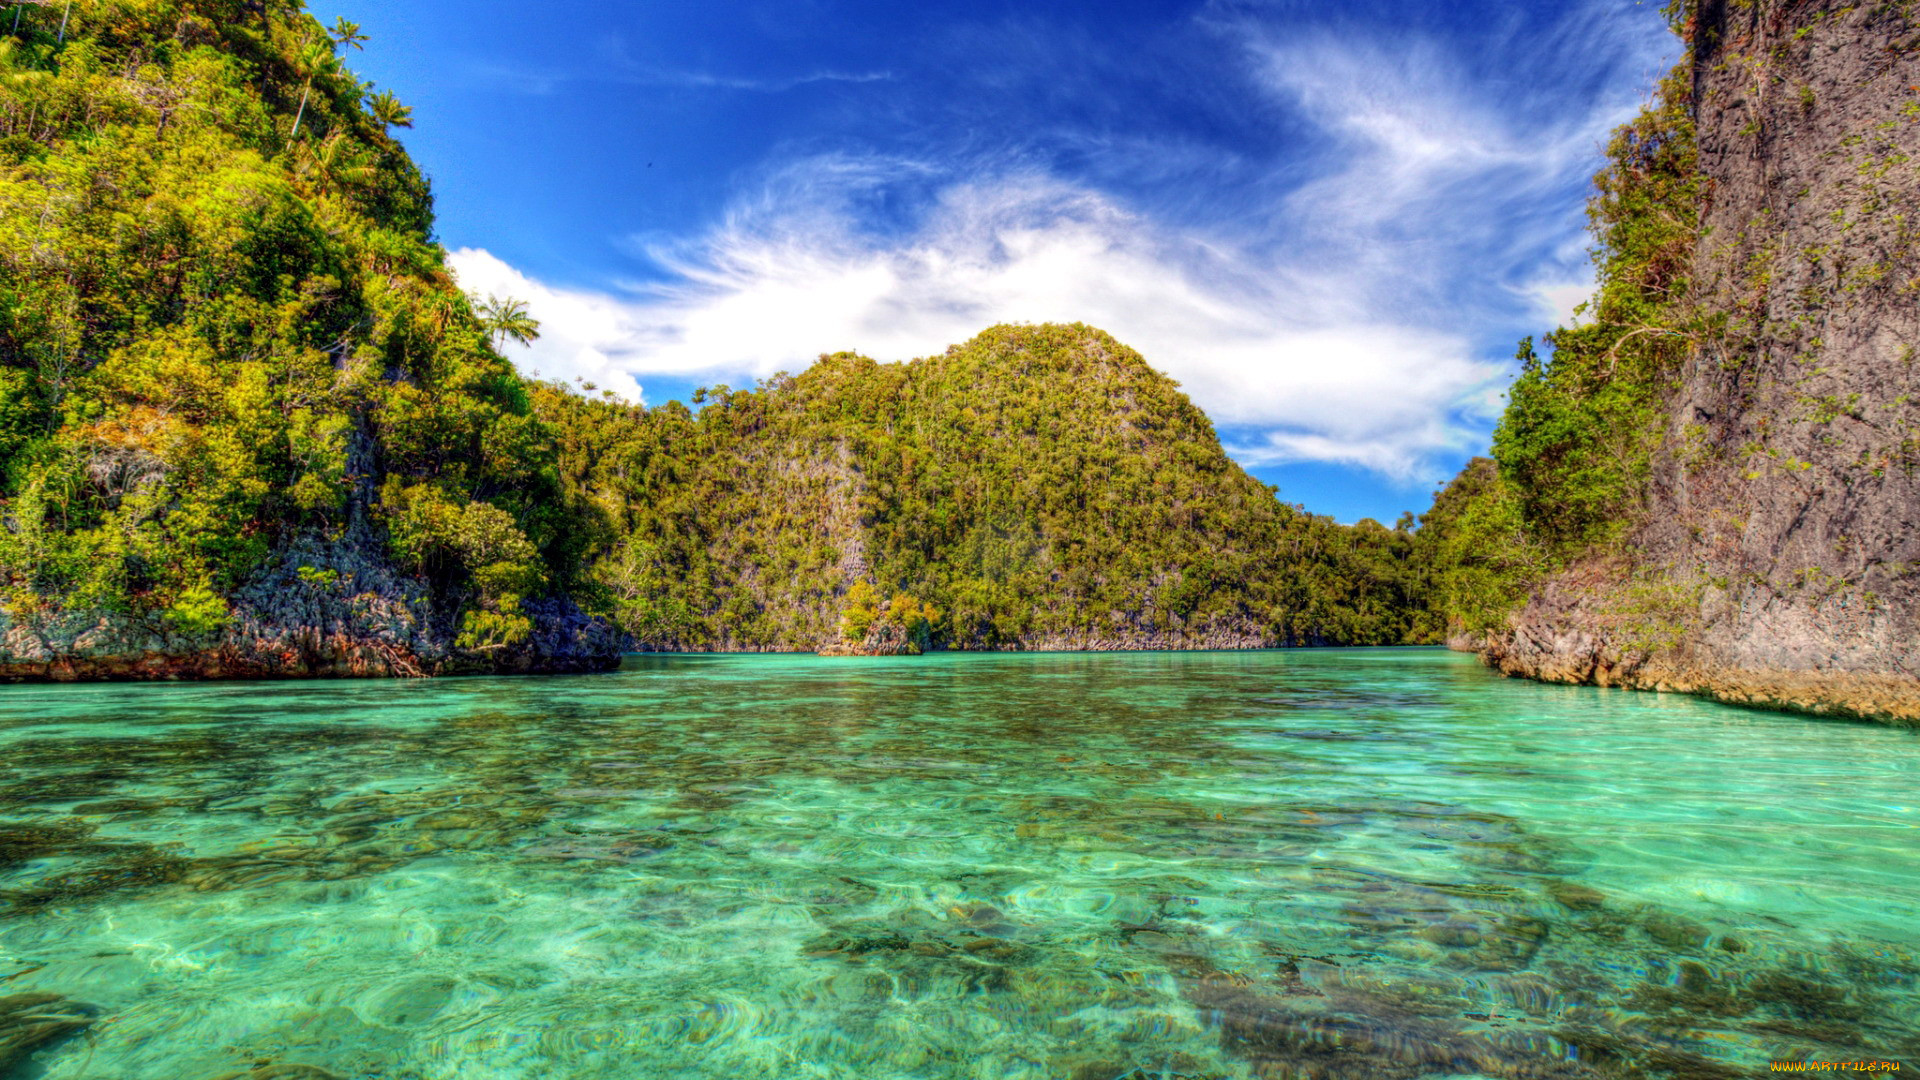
(1676, 932)
(1578, 897)
(280, 1071)
(29, 1022)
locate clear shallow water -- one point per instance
(1334, 864)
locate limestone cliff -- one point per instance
(1778, 563)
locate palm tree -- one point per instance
(389, 112)
(337, 160)
(508, 318)
(316, 59)
(347, 34)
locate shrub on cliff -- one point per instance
(902, 622)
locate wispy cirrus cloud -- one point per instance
(669, 77)
(542, 81)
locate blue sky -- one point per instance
(1330, 222)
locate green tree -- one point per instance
(389, 112)
(1572, 452)
(347, 35)
(217, 356)
(508, 318)
(315, 60)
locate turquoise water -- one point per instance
(1336, 864)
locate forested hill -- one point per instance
(251, 426)
(1040, 486)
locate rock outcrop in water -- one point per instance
(368, 636)
(1779, 559)
(871, 626)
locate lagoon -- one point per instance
(1336, 864)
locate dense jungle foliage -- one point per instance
(1572, 452)
(1037, 485)
(226, 330)
(224, 322)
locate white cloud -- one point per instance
(771, 292)
(1558, 301)
(702, 80)
(527, 79)
(582, 334)
(1563, 285)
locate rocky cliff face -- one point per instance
(351, 615)
(325, 606)
(1780, 560)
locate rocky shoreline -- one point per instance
(1575, 657)
(108, 648)
(1571, 634)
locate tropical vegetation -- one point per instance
(1039, 485)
